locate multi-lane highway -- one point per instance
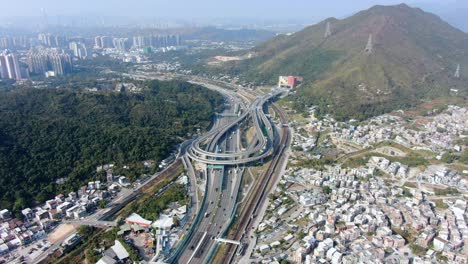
(224, 157)
(250, 213)
(263, 140)
(221, 188)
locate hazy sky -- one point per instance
(260, 9)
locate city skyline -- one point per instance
(271, 15)
(206, 9)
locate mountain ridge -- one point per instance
(412, 54)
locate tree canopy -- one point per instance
(49, 134)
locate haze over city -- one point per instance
(209, 12)
(234, 132)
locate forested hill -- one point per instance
(378, 60)
(47, 134)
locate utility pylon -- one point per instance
(328, 30)
(368, 49)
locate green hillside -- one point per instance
(47, 134)
(413, 55)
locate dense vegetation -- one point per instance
(344, 80)
(343, 105)
(48, 134)
(6, 84)
(150, 207)
(86, 74)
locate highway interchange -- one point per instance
(224, 157)
(223, 152)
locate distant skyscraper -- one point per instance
(10, 68)
(156, 41)
(457, 72)
(98, 43)
(38, 63)
(3, 67)
(79, 50)
(6, 43)
(44, 19)
(61, 63)
(141, 41)
(50, 40)
(121, 44)
(43, 60)
(22, 41)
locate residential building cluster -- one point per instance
(52, 54)
(79, 50)
(156, 41)
(436, 133)
(137, 42)
(16, 42)
(382, 211)
(304, 142)
(392, 168)
(361, 220)
(446, 127)
(441, 175)
(153, 238)
(37, 222)
(51, 62)
(52, 40)
(10, 67)
(15, 233)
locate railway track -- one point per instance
(169, 171)
(259, 193)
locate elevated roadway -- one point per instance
(264, 138)
(222, 153)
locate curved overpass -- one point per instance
(262, 148)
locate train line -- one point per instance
(259, 193)
(224, 160)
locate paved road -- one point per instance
(222, 188)
(95, 223)
(223, 144)
(253, 210)
(263, 136)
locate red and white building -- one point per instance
(289, 81)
